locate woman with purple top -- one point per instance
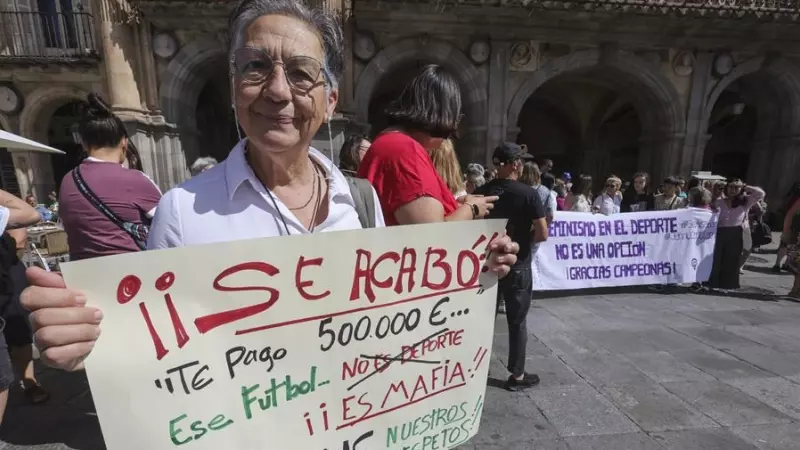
(733, 210)
(105, 207)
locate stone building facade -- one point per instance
(598, 86)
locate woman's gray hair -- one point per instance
(325, 24)
(699, 197)
(200, 164)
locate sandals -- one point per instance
(36, 395)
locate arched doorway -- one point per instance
(59, 135)
(600, 113)
(216, 122)
(388, 72)
(584, 126)
(753, 119)
(195, 96)
(732, 130)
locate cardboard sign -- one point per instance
(348, 340)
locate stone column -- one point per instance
(697, 112)
(148, 67)
(119, 54)
(658, 154)
(132, 90)
(497, 107)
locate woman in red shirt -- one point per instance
(398, 164)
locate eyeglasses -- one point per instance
(255, 66)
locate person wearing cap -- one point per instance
(567, 178)
(525, 212)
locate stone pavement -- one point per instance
(626, 369)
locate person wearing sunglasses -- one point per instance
(399, 165)
(608, 202)
(286, 60)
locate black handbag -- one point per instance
(137, 231)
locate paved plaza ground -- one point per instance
(621, 370)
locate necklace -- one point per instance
(317, 187)
(313, 191)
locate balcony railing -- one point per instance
(38, 36)
(789, 9)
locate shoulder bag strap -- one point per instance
(360, 205)
(87, 192)
(361, 191)
(369, 201)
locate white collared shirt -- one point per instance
(228, 202)
(607, 205)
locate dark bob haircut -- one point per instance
(431, 103)
(99, 127)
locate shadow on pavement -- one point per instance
(67, 421)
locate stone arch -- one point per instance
(781, 77)
(42, 103)
(651, 92)
(772, 86)
(437, 51)
(184, 78)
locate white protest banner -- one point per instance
(656, 247)
(350, 340)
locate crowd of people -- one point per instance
(286, 62)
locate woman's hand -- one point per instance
(484, 204)
(503, 255)
(65, 330)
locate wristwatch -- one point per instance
(476, 212)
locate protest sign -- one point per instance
(657, 247)
(349, 340)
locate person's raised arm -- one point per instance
(754, 195)
(20, 214)
(430, 210)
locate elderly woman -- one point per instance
(474, 177)
(202, 164)
(286, 60)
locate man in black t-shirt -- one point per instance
(523, 208)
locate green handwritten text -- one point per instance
(197, 428)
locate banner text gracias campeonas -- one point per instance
(350, 340)
(657, 247)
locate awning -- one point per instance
(12, 142)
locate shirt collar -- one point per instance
(238, 171)
(98, 160)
